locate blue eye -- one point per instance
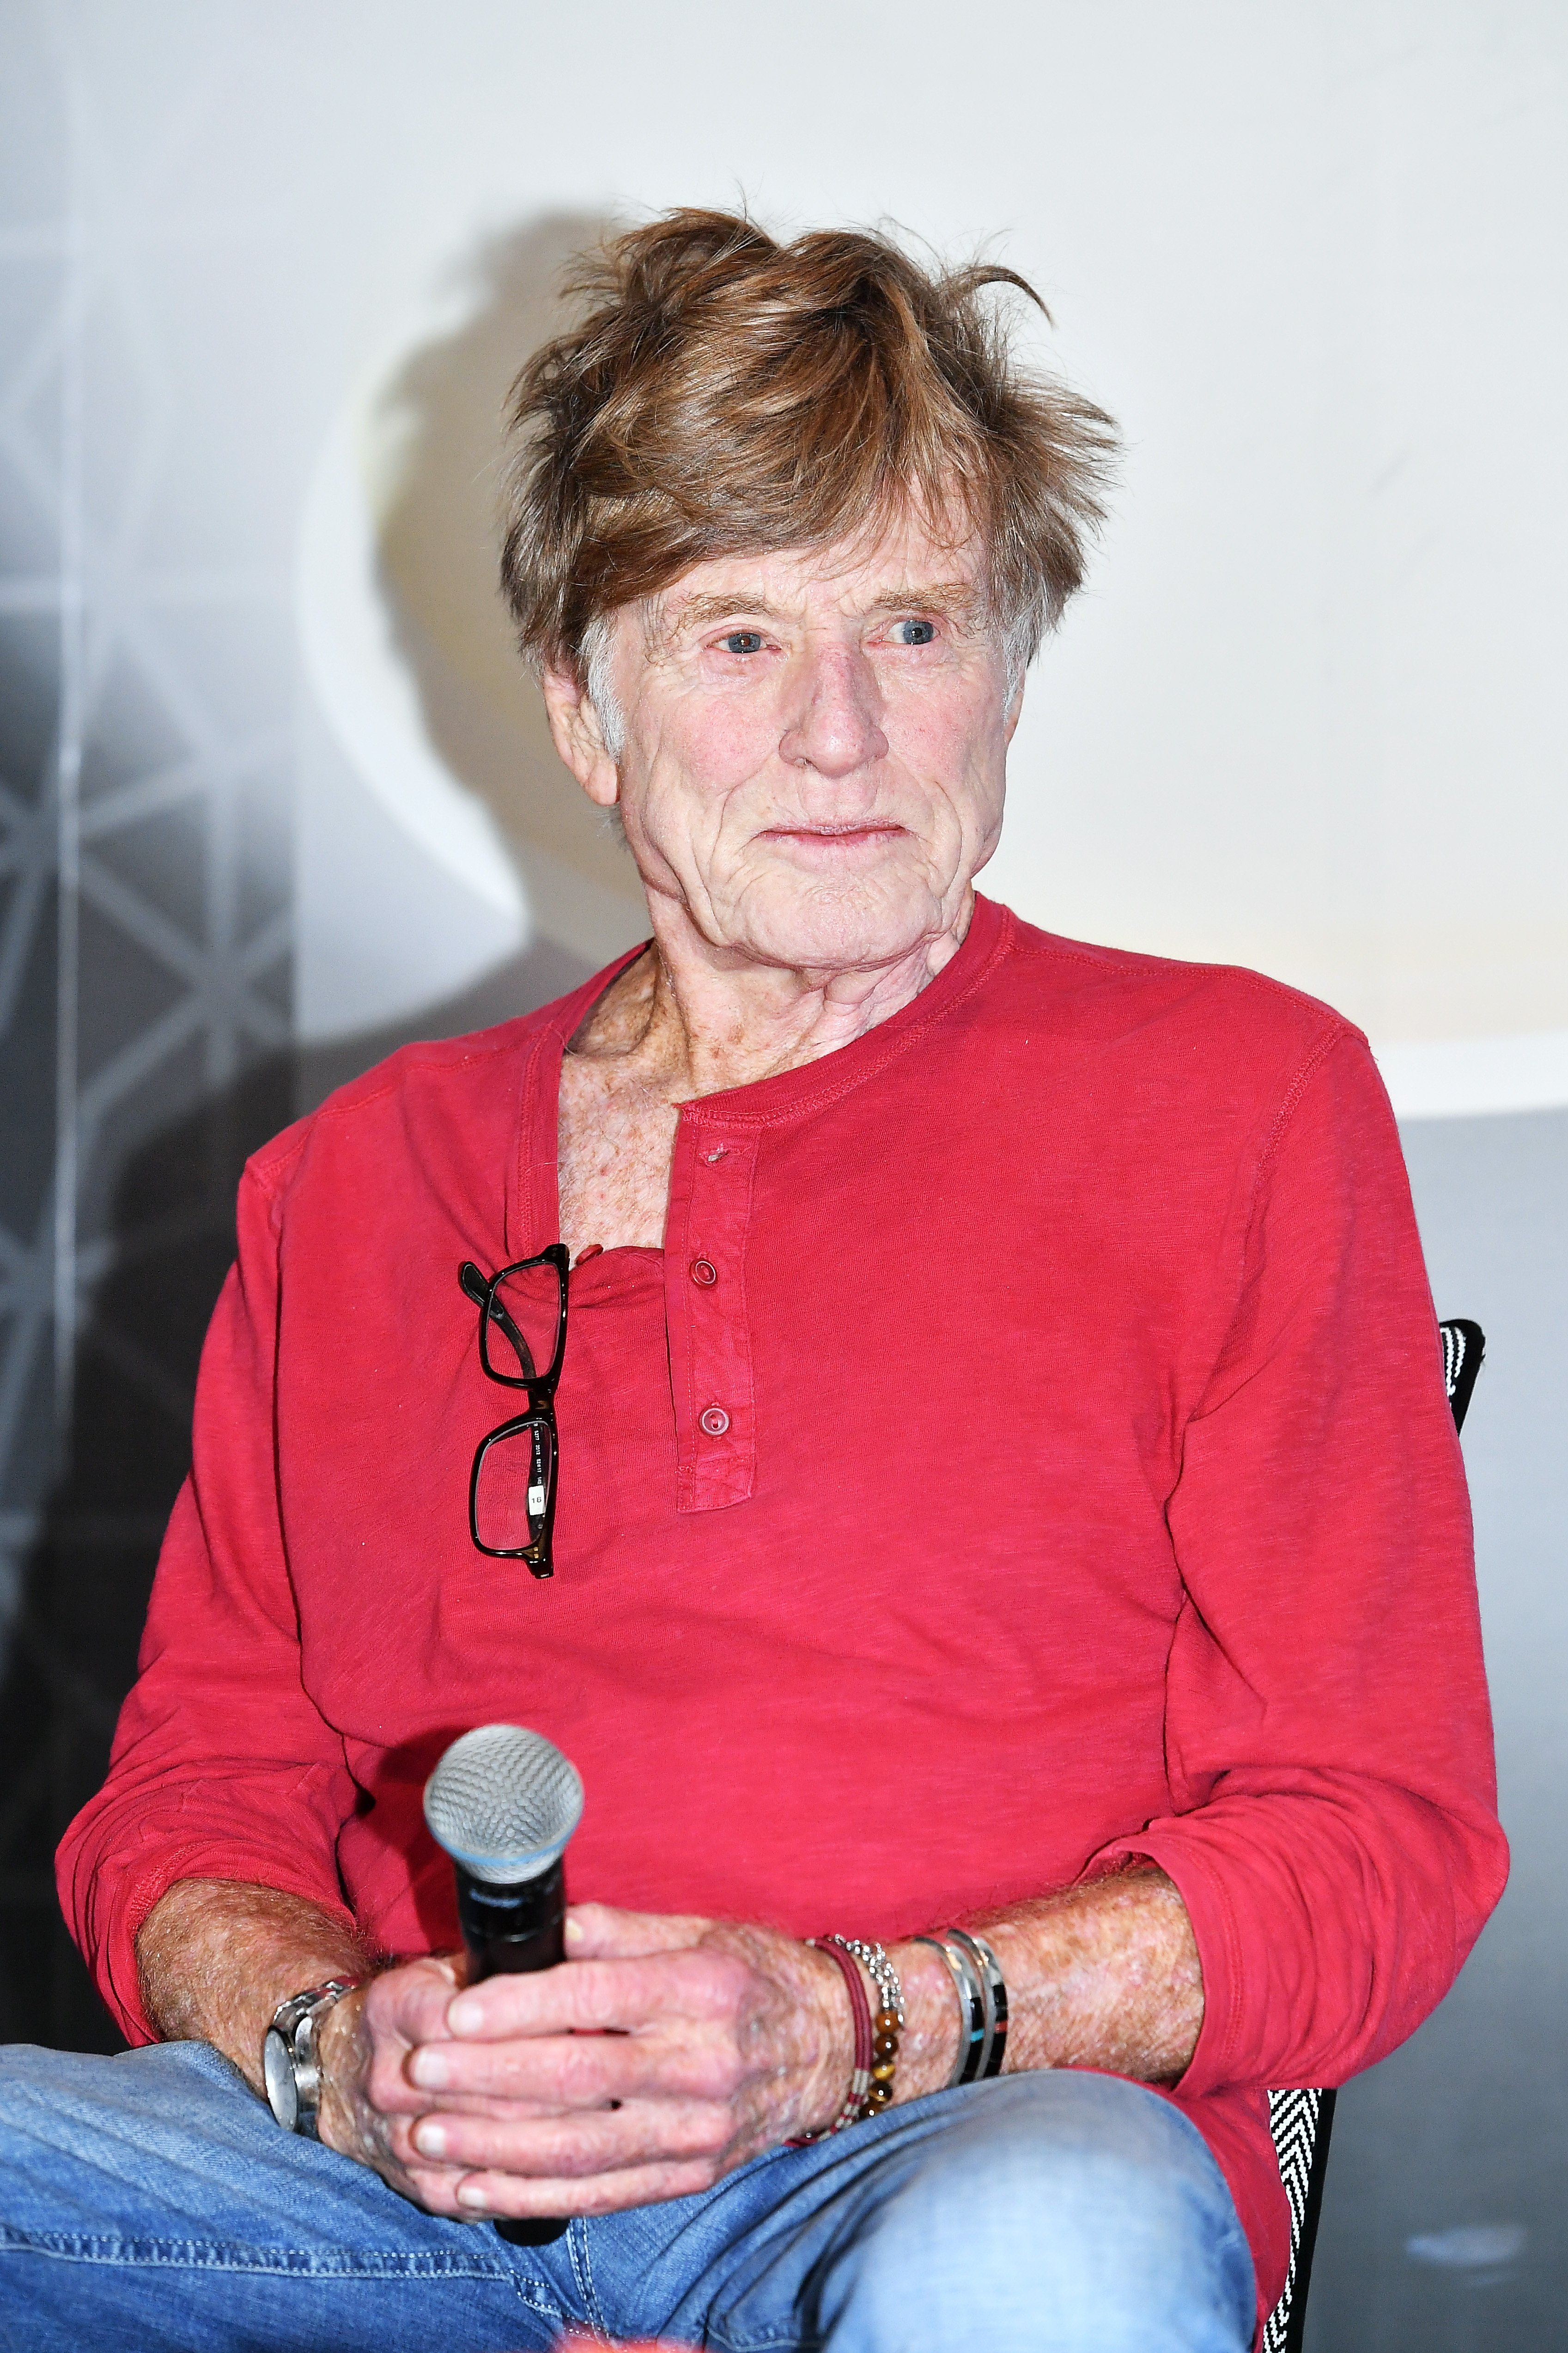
(914, 633)
(743, 641)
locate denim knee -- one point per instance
(1060, 2213)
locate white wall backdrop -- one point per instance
(1308, 715)
(266, 270)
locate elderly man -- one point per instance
(1003, 1478)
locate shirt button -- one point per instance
(703, 1270)
(715, 1421)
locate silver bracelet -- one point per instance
(882, 1972)
(996, 1985)
(971, 1995)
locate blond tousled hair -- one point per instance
(722, 393)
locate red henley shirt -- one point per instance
(1082, 1486)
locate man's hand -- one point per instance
(666, 2051)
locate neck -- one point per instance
(699, 1019)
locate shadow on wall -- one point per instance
(542, 972)
(439, 427)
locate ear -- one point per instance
(1014, 711)
(575, 725)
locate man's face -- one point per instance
(815, 748)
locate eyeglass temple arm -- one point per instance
(480, 1291)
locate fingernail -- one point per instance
(429, 2067)
(464, 2017)
(473, 2197)
(430, 2139)
(574, 1931)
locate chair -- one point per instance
(1301, 2122)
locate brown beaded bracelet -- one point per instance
(889, 2023)
(859, 2103)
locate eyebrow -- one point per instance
(958, 599)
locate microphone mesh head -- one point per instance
(503, 1803)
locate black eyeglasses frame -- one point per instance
(540, 1387)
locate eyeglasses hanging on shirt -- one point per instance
(522, 1339)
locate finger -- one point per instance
(414, 2174)
(578, 2147)
(599, 1932)
(435, 2189)
(480, 2103)
(562, 2071)
(409, 2004)
(582, 1996)
(506, 2196)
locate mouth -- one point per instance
(836, 836)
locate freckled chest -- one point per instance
(615, 1138)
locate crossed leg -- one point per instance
(150, 2202)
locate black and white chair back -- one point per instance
(1302, 2121)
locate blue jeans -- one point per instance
(151, 2201)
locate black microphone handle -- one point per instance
(509, 1931)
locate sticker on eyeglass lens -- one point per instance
(535, 1502)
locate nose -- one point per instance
(833, 722)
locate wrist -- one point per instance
(342, 2049)
(820, 2035)
(929, 2045)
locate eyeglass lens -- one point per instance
(522, 1335)
(512, 1480)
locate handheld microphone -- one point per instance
(503, 1802)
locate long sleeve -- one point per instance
(1200, 1496)
(221, 1766)
(1327, 1733)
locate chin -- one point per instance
(828, 930)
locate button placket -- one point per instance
(705, 1304)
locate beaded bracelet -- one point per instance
(889, 2023)
(995, 1987)
(856, 2104)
